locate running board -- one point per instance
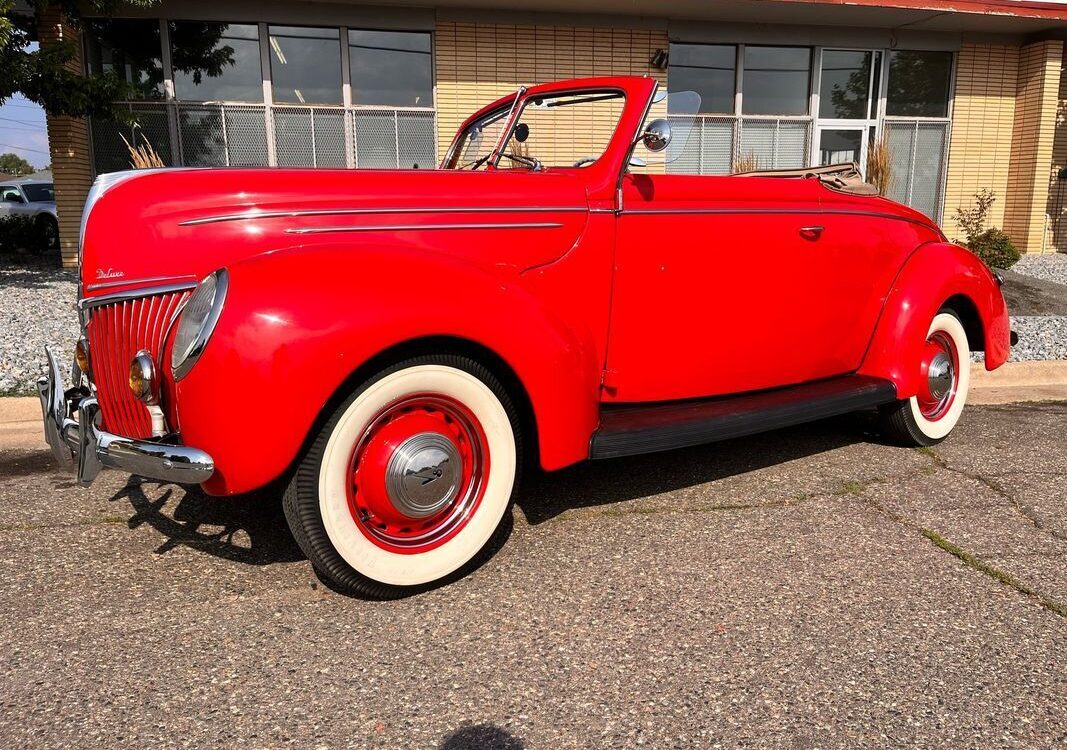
(647, 428)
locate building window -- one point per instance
(390, 68)
(128, 47)
(918, 83)
(216, 61)
(708, 69)
(776, 81)
(845, 85)
(305, 65)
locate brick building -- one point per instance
(968, 94)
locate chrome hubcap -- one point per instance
(423, 475)
(940, 375)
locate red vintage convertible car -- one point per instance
(392, 347)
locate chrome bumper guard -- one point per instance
(82, 445)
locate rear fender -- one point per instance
(298, 323)
(932, 275)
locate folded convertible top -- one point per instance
(844, 177)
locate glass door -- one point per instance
(847, 93)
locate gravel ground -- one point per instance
(804, 589)
(1040, 338)
(1048, 267)
(37, 308)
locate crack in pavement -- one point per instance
(991, 482)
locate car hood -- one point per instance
(178, 225)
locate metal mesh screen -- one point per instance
(917, 163)
(777, 144)
(148, 122)
(309, 137)
(701, 145)
(217, 135)
(416, 136)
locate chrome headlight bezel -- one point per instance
(197, 321)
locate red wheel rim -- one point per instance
(940, 376)
(417, 473)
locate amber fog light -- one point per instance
(143, 377)
(81, 355)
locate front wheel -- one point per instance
(928, 417)
(410, 478)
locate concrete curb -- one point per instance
(1015, 382)
(1019, 381)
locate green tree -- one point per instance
(41, 75)
(15, 165)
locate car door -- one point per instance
(721, 286)
(11, 200)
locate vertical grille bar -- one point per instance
(117, 331)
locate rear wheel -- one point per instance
(929, 416)
(409, 480)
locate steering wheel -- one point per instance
(585, 161)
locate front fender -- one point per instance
(933, 274)
(297, 323)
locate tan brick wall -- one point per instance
(68, 143)
(1057, 197)
(479, 62)
(1031, 145)
(983, 119)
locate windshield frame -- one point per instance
(527, 98)
(507, 109)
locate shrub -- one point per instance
(18, 233)
(992, 245)
(995, 249)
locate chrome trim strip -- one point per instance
(148, 291)
(374, 211)
(789, 211)
(125, 282)
(421, 227)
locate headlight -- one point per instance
(196, 323)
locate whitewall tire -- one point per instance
(410, 479)
(945, 367)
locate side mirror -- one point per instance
(657, 135)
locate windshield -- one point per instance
(478, 141)
(39, 192)
(570, 129)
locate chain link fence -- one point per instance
(221, 135)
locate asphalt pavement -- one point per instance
(810, 588)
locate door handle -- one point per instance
(811, 233)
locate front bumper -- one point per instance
(82, 444)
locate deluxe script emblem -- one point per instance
(110, 273)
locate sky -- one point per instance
(22, 129)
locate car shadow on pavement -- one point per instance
(602, 483)
(251, 528)
(247, 529)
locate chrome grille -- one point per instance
(117, 331)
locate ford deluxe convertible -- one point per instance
(393, 347)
